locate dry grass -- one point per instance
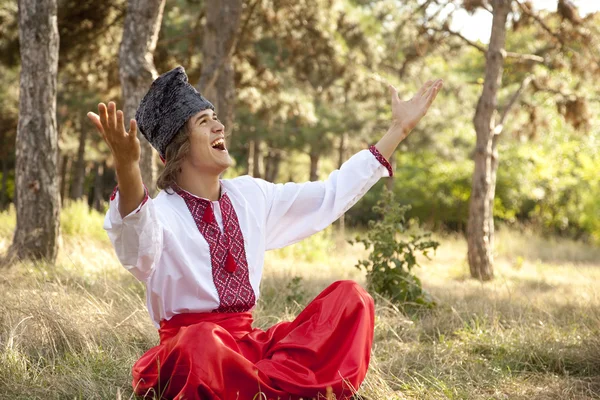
(74, 331)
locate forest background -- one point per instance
(301, 86)
(309, 92)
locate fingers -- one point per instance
(424, 88)
(120, 123)
(429, 86)
(433, 91)
(103, 116)
(111, 120)
(95, 119)
(433, 87)
(393, 93)
(132, 128)
(437, 85)
(112, 117)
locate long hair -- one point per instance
(175, 153)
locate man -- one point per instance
(199, 248)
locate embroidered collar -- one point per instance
(187, 195)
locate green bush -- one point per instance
(390, 262)
(437, 190)
(77, 219)
(316, 248)
(552, 186)
(295, 290)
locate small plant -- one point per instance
(295, 290)
(391, 260)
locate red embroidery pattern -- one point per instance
(230, 271)
(116, 189)
(381, 159)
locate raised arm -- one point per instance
(296, 211)
(131, 222)
(125, 148)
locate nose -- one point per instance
(218, 127)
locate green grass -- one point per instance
(74, 330)
(8, 221)
(78, 220)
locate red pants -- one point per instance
(220, 356)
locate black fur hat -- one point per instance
(167, 106)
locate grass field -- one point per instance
(74, 330)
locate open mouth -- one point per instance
(218, 144)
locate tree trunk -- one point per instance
(79, 168)
(3, 191)
(250, 158)
(38, 227)
(272, 165)
(480, 230)
(257, 159)
(65, 169)
(268, 165)
(276, 166)
(137, 71)
(342, 149)
(314, 166)
(98, 202)
(220, 38)
(492, 196)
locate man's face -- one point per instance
(207, 143)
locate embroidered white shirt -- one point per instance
(161, 245)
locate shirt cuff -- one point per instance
(113, 196)
(381, 159)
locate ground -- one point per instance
(74, 330)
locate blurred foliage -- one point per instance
(78, 220)
(8, 221)
(296, 292)
(314, 249)
(311, 76)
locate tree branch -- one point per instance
(461, 37)
(513, 100)
(564, 95)
(234, 46)
(557, 36)
(527, 11)
(242, 33)
(516, 56)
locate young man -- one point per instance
(199, 248)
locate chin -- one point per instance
(212, 165)
(222, 167)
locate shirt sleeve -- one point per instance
(295, 211)
(137, 237)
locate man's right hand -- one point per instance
(124, 146)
